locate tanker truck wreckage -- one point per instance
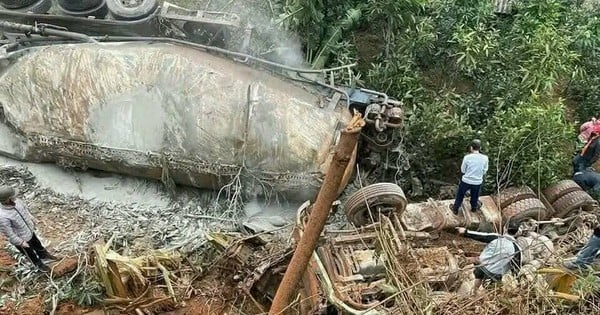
(135, 95)
(176, 111)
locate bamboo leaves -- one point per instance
(460, 59)
(334, 35)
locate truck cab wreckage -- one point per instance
(354, 269)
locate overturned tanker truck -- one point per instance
(97, 94)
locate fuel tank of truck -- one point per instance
(160, 110)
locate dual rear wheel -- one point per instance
(27, 6)
(119, 9)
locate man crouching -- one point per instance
(499, 256)
(16, 223)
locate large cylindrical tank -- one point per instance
(160, 110)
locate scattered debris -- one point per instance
(31, 306)
(132, 283)
(69, 308)
(64, 266)
(226, 271)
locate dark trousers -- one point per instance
(460, 195)
(36, 251)
(588, 253)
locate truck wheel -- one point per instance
(16, 4)
(38, 7)
(78, 5)
(571, 202)
(386, 196)
(131, 9)
(100, 11)
(524, 209)
(511, 195)
(559, 189)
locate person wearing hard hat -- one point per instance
(16, 223)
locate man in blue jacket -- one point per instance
(500, 255)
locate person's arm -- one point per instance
(595, 151)
(478, 236)
(25, 212)
(463, 166)
(486, 165)
(6, 229)
(475, 260)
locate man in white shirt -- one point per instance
(501, 254)
(474, 166)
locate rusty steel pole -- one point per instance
(318, 216)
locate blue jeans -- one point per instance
(460, 195)
(587, 254)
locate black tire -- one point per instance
(511, 195)
(16, 4)
(122, 12)
(386, 195)
(559, 189)
(39, 7)
(79, 5)
(527, 208)
(99, 12)
(572, 201)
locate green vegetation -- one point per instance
(520, 82)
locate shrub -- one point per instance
(530, 144)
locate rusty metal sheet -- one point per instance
(140, 108)
(472, 219)
(437, 265)
(414, 219)
(490, 213)
(436, 215)
(429, 216)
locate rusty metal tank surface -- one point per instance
(435, 215)
(157, 109)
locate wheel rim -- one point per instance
(363, 216)
(131, 3)
(372, 200)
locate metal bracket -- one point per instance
(245, 44)
(174, 12)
